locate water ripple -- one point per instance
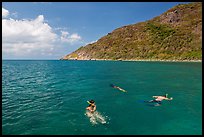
(49, 97)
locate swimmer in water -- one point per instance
(158, 99)
(92, 106)
(93, 114)
(118, 88)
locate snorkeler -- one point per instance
(117, 88)
(94, 116)
(158, 99)
(92, 106)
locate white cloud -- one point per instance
(67, 38)
(64, 33)
(32, 38)
(5, 13)
(75, 36)
(26, 37)
(27, 31)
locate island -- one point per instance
(175, 35)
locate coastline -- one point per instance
(137, 60)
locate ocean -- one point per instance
(49, 97)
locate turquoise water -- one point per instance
(49, 97)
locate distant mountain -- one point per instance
(174, 35)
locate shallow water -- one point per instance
(49, 97)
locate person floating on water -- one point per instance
(92, 106)
(117, 88)
(94, 116)
(158, 99)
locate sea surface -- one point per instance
(50, 97)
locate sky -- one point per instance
(51, 30)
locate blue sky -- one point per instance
(59, 28)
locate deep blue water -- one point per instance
(49, 97)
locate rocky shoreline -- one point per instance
(141, 60)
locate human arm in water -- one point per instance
(94, 109)
(88, 108)
(155, 96)
(91, 109)
(169, 98)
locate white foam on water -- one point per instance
(96, 117)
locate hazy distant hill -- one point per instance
(174, 35)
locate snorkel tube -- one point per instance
(88, 102)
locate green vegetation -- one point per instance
(160, 31)
(176, 34)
